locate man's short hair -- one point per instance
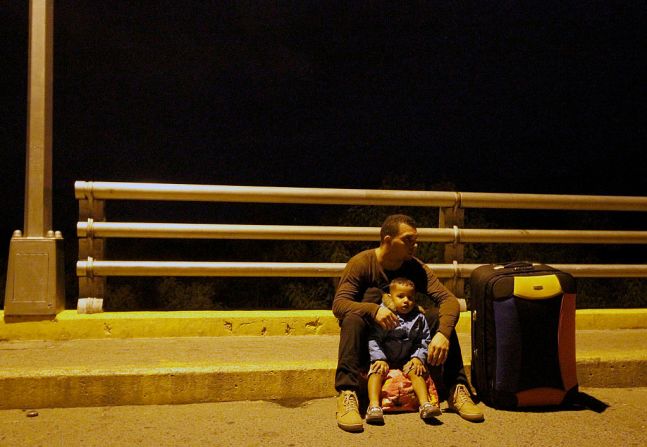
(391, 225)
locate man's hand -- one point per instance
(386, 319)
(379, 367)
(415, 366)
(438, 349)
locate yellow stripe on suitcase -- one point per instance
(537, 287)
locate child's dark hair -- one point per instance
(402, 281)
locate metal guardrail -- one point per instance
(332, 196)
(92, 229)
(91, 268)
(323, 233)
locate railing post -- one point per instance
(453, 218)
(91, 210)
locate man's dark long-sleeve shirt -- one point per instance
(363, 272)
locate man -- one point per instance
(356, 305)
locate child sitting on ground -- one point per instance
(404, 347)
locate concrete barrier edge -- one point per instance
(69, 324)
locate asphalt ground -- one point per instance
(617, 418)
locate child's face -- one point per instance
(402, 298)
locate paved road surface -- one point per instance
(312, 423)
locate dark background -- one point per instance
(546, 97)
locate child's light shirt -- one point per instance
(409, 339)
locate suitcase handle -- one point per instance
(519, 266)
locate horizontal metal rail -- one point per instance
(223, 231)
(322, 233)
(331, 196)
(92, 268)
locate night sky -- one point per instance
(487, 96)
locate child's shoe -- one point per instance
(375, 415)
(429, 411)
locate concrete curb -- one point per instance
(602, 319)
(166, 385)
(69, 325)
(191, 384)
(78, 373)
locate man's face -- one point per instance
(403, 245)
(402, 297)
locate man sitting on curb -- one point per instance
(357, 310)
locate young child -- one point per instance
(404, 347)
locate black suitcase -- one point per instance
(523, 335)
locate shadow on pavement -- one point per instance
(579, 402)
(587, 402)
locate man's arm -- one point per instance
(348, 294)
(448, 306)
(448, 313)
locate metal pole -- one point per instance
(38, 178)
(35, 279)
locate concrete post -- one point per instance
(35, 277)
